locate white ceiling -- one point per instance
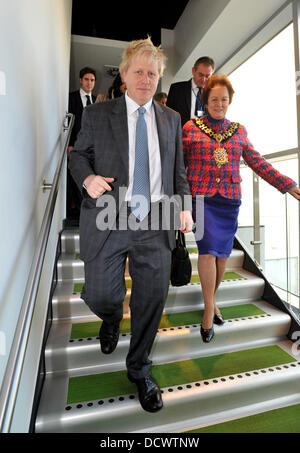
(219, 30)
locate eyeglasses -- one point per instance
(203, 76)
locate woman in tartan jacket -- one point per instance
(213, 147)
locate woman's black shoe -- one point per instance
(218, 319)
(207, 334)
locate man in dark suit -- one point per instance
(78, 100)
(128, 161)
(184, 97)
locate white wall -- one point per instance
(34, 66)
(168, 39)
(218, 29)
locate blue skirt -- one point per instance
(215, 230)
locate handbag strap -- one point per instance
(181, 238)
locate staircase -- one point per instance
(249, 368)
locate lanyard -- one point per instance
(199, 104)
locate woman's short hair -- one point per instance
(214, 80)
(143, 47)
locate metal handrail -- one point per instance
(16, 358)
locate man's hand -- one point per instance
(295, 192)
(186, 221)
(96, 185)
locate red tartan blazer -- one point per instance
(205, 178)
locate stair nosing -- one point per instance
(181, 341)
(197, 390)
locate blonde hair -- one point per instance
(143, 47)
(102, 97)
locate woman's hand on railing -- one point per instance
(295, 192)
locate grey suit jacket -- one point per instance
(102, 149)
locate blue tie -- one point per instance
(198, 105)
(141, 180)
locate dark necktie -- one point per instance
(198, 104)
(88, 99)
(141, 179)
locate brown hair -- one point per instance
(102, 97)
(87, 70)
(214, 80)
(160, 96)
(207, 61)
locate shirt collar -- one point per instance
(194, 86)
(83, 93)
(132, 106)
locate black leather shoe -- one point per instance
(109, 337)
(207, 334)
(218, 319)
(149, 393)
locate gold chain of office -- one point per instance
(220, 154)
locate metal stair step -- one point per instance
(69, 305)
(70, 240)
(171, 343)
(70, 266)
(276, 420)
(185, 406)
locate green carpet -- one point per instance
(192, 250)
(227, 276)
(105, 385)
(91, 329)
(283, 420)
(195, 279)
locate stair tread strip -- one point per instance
(191, 247)
(194, 279)
(91, 329)
(282, 420)
(106, 385)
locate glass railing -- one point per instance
(277, 229)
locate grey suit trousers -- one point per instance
(104, 291)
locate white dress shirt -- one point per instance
(83, 95)
(194, 92)
(156, 189)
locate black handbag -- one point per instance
(181, 267)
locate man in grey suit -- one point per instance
(127, 159)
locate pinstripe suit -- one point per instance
(102, 148)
